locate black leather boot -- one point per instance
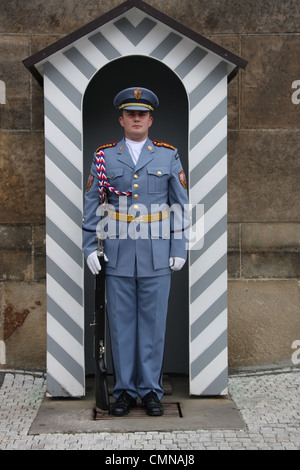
(122, 405)
(152, 404)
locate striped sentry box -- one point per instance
(67, 73)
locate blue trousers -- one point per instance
(137, 313)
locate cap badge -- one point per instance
(137, 93)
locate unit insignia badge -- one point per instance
(90, 182)
(182, 179)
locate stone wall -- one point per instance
(263, 166)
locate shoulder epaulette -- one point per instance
(163, 144)
(106, 146)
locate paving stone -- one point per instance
(268, 402)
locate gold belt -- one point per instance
(147, 218)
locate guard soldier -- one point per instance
(142, 246)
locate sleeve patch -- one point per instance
(157, 143)
(90, 182)
(182, 179)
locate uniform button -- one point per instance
(135, 176)
(135, 185)
(159, 172)
(136, 196)
(136, 207)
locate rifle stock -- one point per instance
(102, 397)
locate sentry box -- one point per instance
(81, 73)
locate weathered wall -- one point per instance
(263, 166)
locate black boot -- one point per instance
(123, 404)
(152, 404)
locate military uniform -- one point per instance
(140, 236)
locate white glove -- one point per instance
(93, 262)
(176, 263)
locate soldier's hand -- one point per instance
(93, 262)
(176, 263)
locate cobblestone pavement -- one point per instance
(268, 402)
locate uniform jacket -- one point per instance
(157, 182)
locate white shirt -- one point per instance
(134, 148)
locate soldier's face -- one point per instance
(136, 124)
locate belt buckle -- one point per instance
(131, 218)
(138, 219)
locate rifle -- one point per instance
(102, 398)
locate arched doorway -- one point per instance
(100, 125)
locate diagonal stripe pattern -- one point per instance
(66, 77)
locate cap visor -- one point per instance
(136, 108)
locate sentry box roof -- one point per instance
(35, 62)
